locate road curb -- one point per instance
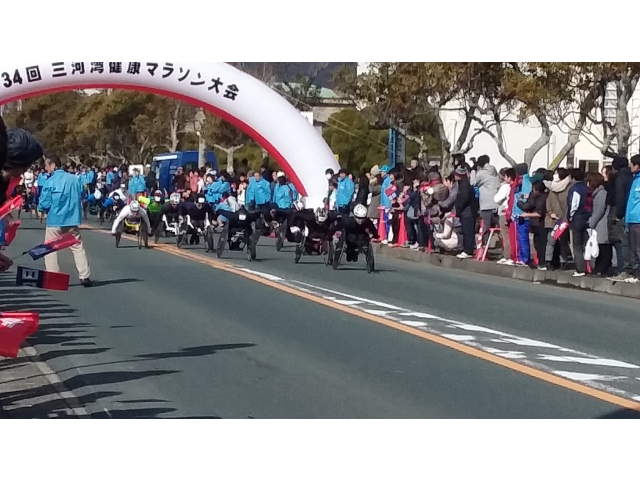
(554, 278)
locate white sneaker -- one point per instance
(502, 261)
(509, 262)
(578, 274)
(633, 280)
(385, 242)
(463, 256)
(415, 246)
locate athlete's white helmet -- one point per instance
(360, 211)
(135, 207)
(174, 199)
(321, 215)
(97, 195)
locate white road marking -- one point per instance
(353, 297)
(350, 303)
(587, 377)
(525, 342)
(476, 328)
(411, 323)
(506, 354)
(380, 313)
(460, 338)
(418, 315)
(263, 275)
(605, 362)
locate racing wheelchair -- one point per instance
(338, 251)
(135, 227)
(310, 245)
(184, 231)
(238, 235)
(166, 228)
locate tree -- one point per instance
(610, 117)
(358, 146)
(520, 93)
(225, 137)
(49, 118)
(393, 94)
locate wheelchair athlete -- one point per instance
(318, 225)
(358, 230)
(132, 213)
(198, 217)
(167, 217)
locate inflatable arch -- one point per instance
(233, 95)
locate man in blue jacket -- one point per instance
(346, 187)
(258, 193)
(632, 220)
(137, 185)
(61, 200)
(522, 224)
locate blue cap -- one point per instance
(385, 168)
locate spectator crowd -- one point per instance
(562, 219)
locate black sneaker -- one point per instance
(86, 282)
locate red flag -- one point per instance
(54, 245)
(10, 206)
(10, 234)
(15, 327)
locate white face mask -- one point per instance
(157, 199)
(329, 176)
(556, 177)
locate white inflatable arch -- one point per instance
(233, 95)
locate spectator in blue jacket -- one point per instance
(258, 193)
(213, 190)
(346, 187)
(282, 194)
(632, 220)
(90, 179)
(137, 185)
(522, 224)
(62, 201)
(294, 191)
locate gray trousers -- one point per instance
(634, 248)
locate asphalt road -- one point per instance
(166, 336)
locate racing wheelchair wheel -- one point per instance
(337, 254)
(208, 240)
(280, 235)
(300, 248)
(181, 237)
(371, 262)
(143, 237)
(251, 249)
(328, 253)
(222, 241)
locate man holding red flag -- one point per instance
(62, 201)
(18, 151)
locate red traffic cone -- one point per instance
(479, 249)
(382, 227)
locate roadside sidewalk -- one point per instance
(29, 388)
(557, 278)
